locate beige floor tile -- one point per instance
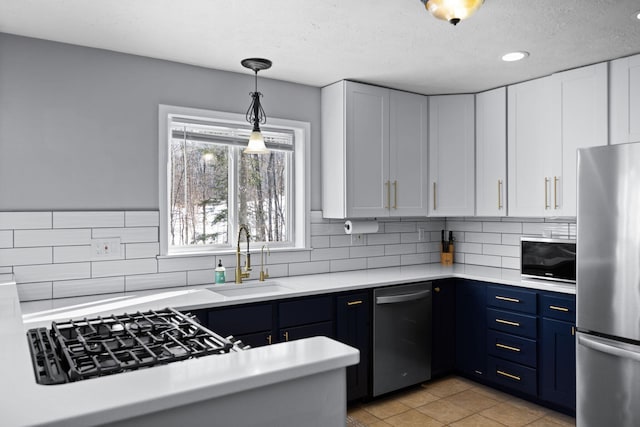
(385, 408)
(417, 397)
(361, 415)
(491, 392)
(447, 386)
(379, 424)
(412, 418)
(513, 416)
(472, 400)
(562, 419)
(444, 411)
(476, 420)
(543, 422)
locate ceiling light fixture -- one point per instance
(453, 11)
(637, 15)
(255, 113)
(514, 56)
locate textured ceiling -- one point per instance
(394, 43)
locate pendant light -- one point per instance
(453, 11)
(255, 113)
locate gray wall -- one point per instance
(79, 126)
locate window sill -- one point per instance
(224, 252)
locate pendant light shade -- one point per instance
(453, 11)
(255, 113)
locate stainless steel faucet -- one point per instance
(240, 273)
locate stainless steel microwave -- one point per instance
(548, 259)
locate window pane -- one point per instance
(199, 193)
(262, 195)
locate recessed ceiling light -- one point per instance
(637, 15)
(514, 56)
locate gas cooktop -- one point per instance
(76, 350)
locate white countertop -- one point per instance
(174, 384)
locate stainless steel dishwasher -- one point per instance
(401, 336)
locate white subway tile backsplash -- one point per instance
(6, 238)
(348, 264)
(141, 250)
(458, 258)
(88, 219)
(329, 253)
(383, 239)
(513, 263)
(463, 225)
(413, 259)
(573, 231)
(502, 250)
(428, 247)
(34, 291)
(502, 227)
(289, 257)
(59, 237)
(320, 242)
(545, 229)
(327, 229)
(400, 227)
(511, 239)
(141, 219)
(153, 281)
(401, 249)
(6, 270)
(202, 277)
(316, 217)
(186, 263)
(24, 220)
(5, 277)
(473, 237)
(74, 288)
(303, 268)
(433, 225)
(347, 240)
(488, 260)
(25, 256)
(71, 253)
(129, 234)
(123, 267)
(383, 261)
(468, 248)
(45, 272)
(366, 251)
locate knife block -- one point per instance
(446, 258)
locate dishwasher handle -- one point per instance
(392, 299)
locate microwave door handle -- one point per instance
(610, 347)
(391, 299)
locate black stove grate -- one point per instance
(82, 349)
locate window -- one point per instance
(210, 187)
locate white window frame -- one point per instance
(301, 170)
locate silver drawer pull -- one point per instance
(507, 347)
(555, 307)
(507, 299)
(506, 322)
(508, 375)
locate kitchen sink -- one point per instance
(239, 290)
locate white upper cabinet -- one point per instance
(625, 100)
(548, 120)
(533, 146)
(491, 153)
(451, 155)
(374, 152)
(584, 123)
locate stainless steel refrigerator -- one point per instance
(608, 287)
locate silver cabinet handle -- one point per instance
(546, 193)
(434, 196)
(555, 192)
(499, 194)
(391, 299)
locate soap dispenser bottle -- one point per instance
(220, 273)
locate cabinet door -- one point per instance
(533, 146)
(471, 328)
(367, 151)
(625, 100)
(557, 368)
(408, 154)
(242, 320)
(443, 350)
(584, 97)
(451, 155)
(324, 329)
(353, 327)
(491, 153)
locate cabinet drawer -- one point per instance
(512, 348)
(558, 307)
(241, 320)
(513, 375)
(512, 323)
(324, 329)
(511, 299)
(304, 311)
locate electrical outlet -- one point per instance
(105, 248)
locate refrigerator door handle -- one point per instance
(608, 347)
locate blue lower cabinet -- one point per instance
(512, 348)
(515, 376)
(558, 363)
(471, 328)
(512, 323)
(443, 328)
(252, 324)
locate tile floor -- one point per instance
(456, 402)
